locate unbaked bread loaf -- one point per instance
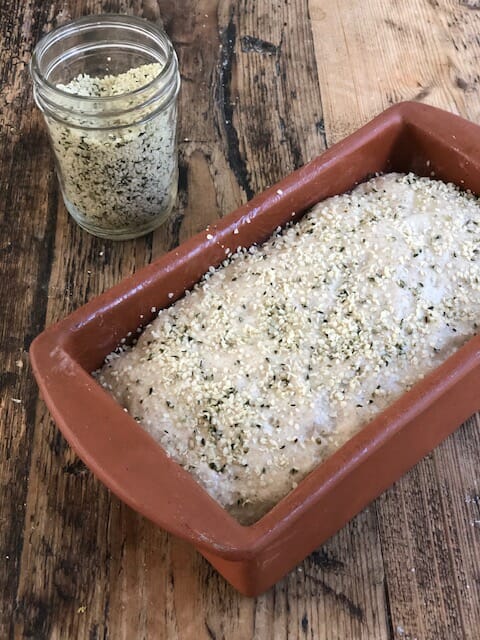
(277, 357)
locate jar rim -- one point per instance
(101, 20)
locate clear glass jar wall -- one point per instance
(108, 87)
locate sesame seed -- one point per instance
(272, 368)
(124, 179)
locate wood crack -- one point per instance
(224, 95)
(388, 611)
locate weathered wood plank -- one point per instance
(27, 227)
(373, 54)
(426, 51)
(430, 541)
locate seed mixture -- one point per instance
(120, 178)
(280, 355)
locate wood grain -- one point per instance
(27, 229)
(424, 50)
(266, 85)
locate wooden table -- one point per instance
(267, 85)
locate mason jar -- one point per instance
(108, 86)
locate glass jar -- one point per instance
(107, 87)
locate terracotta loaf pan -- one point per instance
(406, 137)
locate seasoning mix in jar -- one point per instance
(108, 87)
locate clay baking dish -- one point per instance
(406, 137)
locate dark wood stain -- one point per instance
(422, 94)
(326, 562)
(257, 45)
(305, 623)
(236, 161)
(474, 5)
